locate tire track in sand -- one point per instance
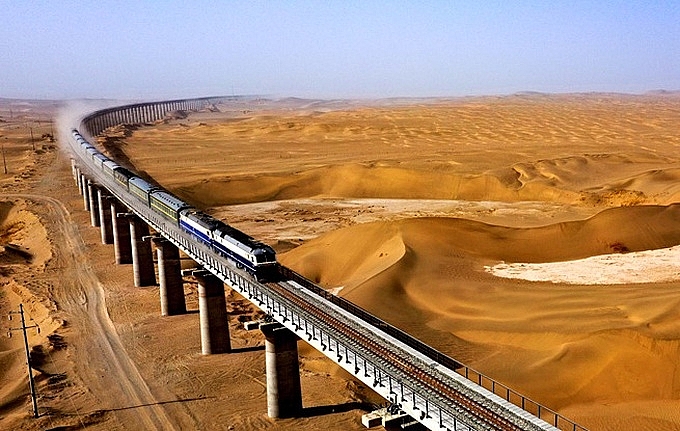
(103, 362)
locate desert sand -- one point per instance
(105, 359)
(411, 209)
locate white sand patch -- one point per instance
(336, 290)
(308, 218)
(649, 266)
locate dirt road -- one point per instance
(123, 365)
(102, 362)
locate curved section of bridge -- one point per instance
(434, 389)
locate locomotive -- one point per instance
(247, 253)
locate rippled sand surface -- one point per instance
(401, 206)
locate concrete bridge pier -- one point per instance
(84, 191)
(76, 176)
(105, 216)
(142, 257)
(284, 396)
(93, 193)
(170, 278)
(212, 309)
(122, 247)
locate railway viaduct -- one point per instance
(432, 388)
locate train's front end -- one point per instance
(266, 266)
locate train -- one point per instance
(256, 258)
(245, 252)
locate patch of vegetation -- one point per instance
(618, 247)
(56, 341)
(37, 357)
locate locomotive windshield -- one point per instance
(262, 256)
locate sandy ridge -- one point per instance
(602, 355)
(84, 300)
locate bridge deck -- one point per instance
(401, 371)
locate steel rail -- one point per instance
(400, 357)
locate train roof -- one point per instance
(124, 171)
(172, 201)
(111, 164)
(202, 218)
(238, 238)
(142, 184)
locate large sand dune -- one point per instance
(402, 207)
(562, 345)
(605, 168)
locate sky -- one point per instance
(335, 49)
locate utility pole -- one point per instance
(4, 162)
(32, 141)
(31, 382)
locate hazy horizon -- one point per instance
(661, 92)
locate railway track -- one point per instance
(373, 320)
(416, 369)
(451, 364)
(394, 359)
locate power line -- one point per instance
(23, 328)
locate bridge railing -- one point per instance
(525, 403)
(98, 121)
(504, 391)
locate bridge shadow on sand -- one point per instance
(248, 349)
(308, 412)
(160, 403)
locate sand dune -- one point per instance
(401, 205)
(619, 346)
(22, 236)
(572, 180)
(381, 247)
(23, 243)
(601, 171)
(368, 181)
(564, 148)
(621, 229)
